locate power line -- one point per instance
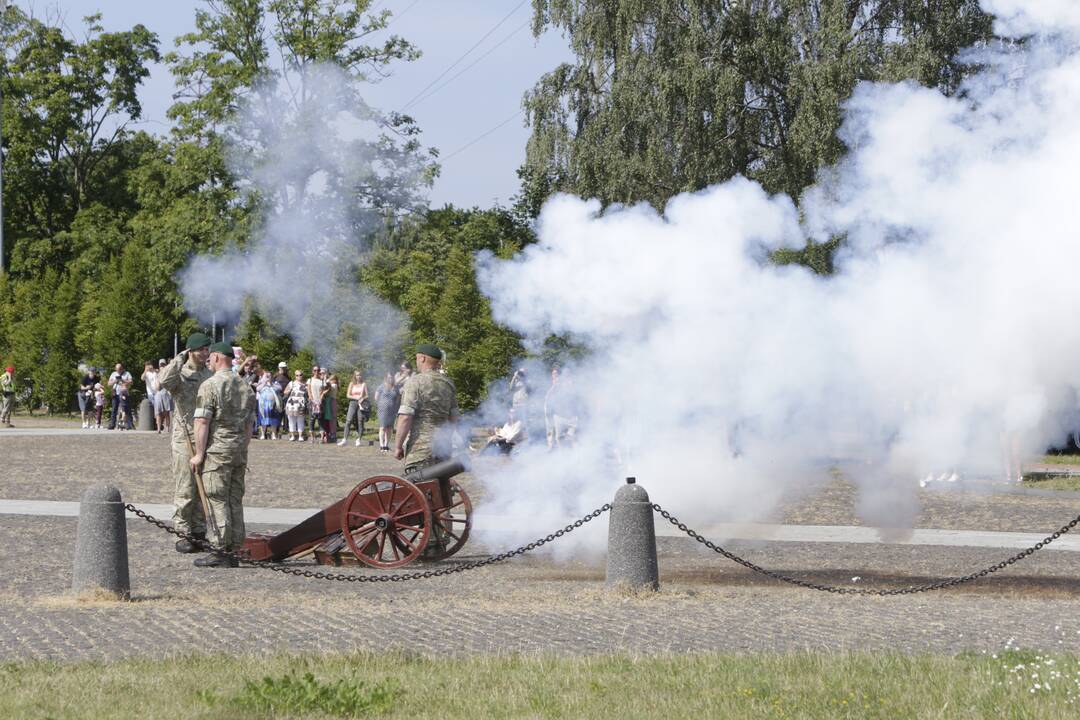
(463, 55)
(395, 18)
(468, 67)
(480, 137)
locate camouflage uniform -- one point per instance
(7, 395)
(227, 401)
(431, 398)
(182, 380)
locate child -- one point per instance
(99, 403)
(124, 411)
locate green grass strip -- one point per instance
(800, 685)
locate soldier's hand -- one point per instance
(196, 462)
(399, 453)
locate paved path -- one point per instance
(718, 532)
(538, 604)
(550, 601)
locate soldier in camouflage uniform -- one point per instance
(182, 378)
(428, 402)
(224, 418)
(7, 395)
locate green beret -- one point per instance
(222, 347)
(197, 340)
(429, 350)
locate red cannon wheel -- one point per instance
(451, 524)
(386, 521)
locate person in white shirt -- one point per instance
(510, 434)
(119, 382)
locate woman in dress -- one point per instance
(162, 402)
(330, 408)
(269, 407)
(358, 398)
(296, 402)
(387, 400)
(149, 378)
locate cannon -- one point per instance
(386, 521)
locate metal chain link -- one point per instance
(342, 577)
(845, 590)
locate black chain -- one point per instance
(285, 569)
(845, 590)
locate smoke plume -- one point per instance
(943, 342)
(314, 158)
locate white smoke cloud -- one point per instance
(722, 381)
(317, 158)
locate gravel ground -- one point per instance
(532, 604)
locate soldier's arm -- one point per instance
(206, 404)
(170, 376)
(202, 438)
(407, 409)
(401, 432)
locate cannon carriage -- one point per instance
(386, 521)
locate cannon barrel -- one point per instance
(442, 470)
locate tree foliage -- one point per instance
(66, 109)
(426, 268)
(670, 96)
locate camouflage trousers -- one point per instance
(188, 511)
(225, 491)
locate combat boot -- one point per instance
(212, 560)
(183, 545)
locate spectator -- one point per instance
(560, 410)
(269, 406)
(387, 399)
(330, 406)
(282, 377)
(315, 385)
(85, 396)
(149, 378)
(521, 397)
(402, 375)
(358, 399)
(296, 403)
(119, 381)
(162, 402)
(7, 394)
(99, 403)
(506, 437)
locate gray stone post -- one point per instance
(146, 415)
(101, 556)
(631, 558)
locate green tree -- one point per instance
(670, 96)
(66, 109)
(59, 373)
(131, 326)
(29, 325)
(426, 268)
(478, 351)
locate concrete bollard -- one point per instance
(631, 558)
(146, 415)
(101, 555)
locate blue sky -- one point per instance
(481, 98)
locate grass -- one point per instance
(1012, 684)
(1054, 482)
(1049, 481)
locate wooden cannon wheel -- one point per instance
(386, 521)
(451, 523)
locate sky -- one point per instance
(483, 97)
